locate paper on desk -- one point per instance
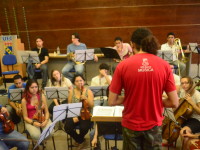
(108, 111)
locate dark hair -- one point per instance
(76, 35)
(103, 66)
(118, 39)
(27, 95)
(17, 77)
(53, 80)
(170, 33)
(39, 37)
(143, 38)
(77, 75)
(191, 82)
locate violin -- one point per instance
(171, 129)
(85, 113)
(195, 147)
(39, 116)
(8, 125)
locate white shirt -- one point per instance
(97, 81)
(167, 47)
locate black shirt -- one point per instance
(44, 52)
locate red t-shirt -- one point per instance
(144, 77)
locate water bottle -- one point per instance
(58, 50)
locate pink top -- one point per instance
(31, 110)
(124, 53)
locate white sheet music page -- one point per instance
(118, 111)
(103, 111)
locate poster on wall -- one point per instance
(7, 41)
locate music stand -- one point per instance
(110, 53)
(16, 94)
(83, 56)
(194, 48)
(100, 91)
(57, 93)
(60, 112)
(25, 56)
(166, 55)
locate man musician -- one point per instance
(123, 49)
(170, 45)
(15, 109)
(71, 48)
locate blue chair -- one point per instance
(9, 60)
(108, 137)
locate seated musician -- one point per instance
(12, 139)
(192, 125)
(123, 49)
(75, 45)
(103, 79)
(44, 59)
(31, 110)
(78, 94)
(57, 80)
(170, 45)
(14, 108)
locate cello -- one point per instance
(8, 125)
(172, 129)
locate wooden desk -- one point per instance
(106, 119)
(51, 55)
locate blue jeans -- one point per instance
(13, 139)
(69, 66)
(44, 71)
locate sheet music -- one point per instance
(118, 111)
(193, 47)
(83, 55)
(56, 92)
(167, 55)
(59, 112)
(103, 111)
(16, 94)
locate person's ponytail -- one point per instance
(150, 44)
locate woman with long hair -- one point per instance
(78, 94)
(35, 110)
(57, 80)
(192, 125)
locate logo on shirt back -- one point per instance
(145, 66)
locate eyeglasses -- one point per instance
(184, 83)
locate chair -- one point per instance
(108, 137)
(9, 60)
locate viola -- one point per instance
(195, 147)
(85, 113)
(8, 125)
(39, 116)
(171, 129)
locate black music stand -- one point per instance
(195, 49)
(166, 55)
(83, 56)
(57, 93)
(16, 94)
(100, 91)
(60, 112)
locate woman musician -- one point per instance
(76, 95)
(192, 125)
(57, 80)
(30, 108)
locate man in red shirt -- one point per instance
(144, 77)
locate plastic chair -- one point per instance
(9, 60)
(108, 137)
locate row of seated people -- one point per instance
(124, 50)
(32, 97)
